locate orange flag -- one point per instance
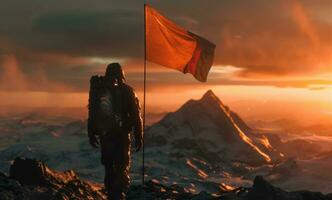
(172, 46)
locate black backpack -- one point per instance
(109, 108)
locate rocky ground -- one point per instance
(32, 179)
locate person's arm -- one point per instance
(136, 119)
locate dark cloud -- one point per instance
(113, 33)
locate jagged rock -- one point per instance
(264, 190)
(34, 180)
(153, 190)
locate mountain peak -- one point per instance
(210, 95)
(211, 98)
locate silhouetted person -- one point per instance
(114, 113)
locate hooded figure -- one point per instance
(114, 113)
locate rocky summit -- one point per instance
(32, 179)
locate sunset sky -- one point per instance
(272, 56)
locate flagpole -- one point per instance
(144, 98)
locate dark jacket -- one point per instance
(128, 106)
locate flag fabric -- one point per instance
(170, 45)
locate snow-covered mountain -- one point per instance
(212, 128)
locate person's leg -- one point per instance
(107, 179)
(107, 160)
(120, 183)
(120, 171)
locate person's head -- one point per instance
(114, 73)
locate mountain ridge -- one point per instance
(209, 114)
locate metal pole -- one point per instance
(144, 96)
